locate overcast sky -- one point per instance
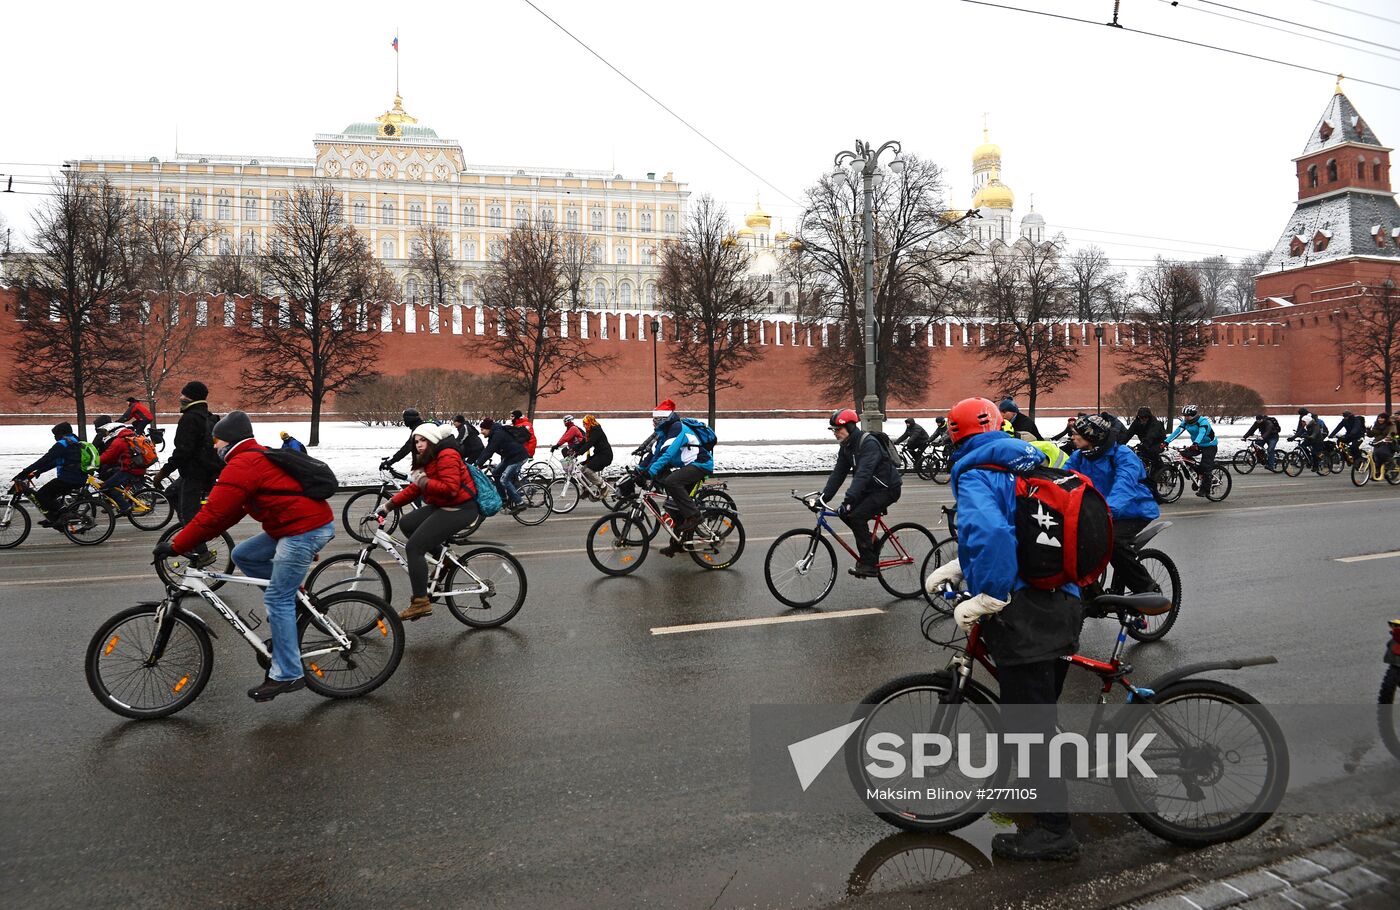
(1111, 131)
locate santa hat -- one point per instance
(664, 409)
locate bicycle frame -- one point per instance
(439, 561)
(645, 501)
(901, 559)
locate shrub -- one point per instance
(1220, 401)
(437, 393)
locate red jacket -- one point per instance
(449, 482)
(530, 427)
(573, 437)
(118, 453)
(242, 489)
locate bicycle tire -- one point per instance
(716, 498)
(905, 581)
(727, 532)
(821, 568)
(1387, 717)
(1167, 484)
(1293, 463)
(130, 648)
(350, 572)
(646, 520)
(18, 518)
(500, 571)
(463, 537)
(564, 495)
(159, 513)
(535, 496)
(362, 505)
(374, 630)
(1361, 472)
(1220, 478)
(943, 472)
(1238, 824)
(1336, 462)
(930, 688)
(1156, 627)
(907, 860)
(943, 552)
(1244, 461)
(1392, 474)
(169, 569)
(617, 538)
(88, 521)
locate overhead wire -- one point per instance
(1359, 12)
(1175, 4)
(1314, 28)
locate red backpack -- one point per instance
(1064, 533)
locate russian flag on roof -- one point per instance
(396, 42)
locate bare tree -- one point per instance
(430, 259)
(75, 287)
(321, 336)
(1373, 342)
(1092, 283)
(167, 247)
(1168, 343)
(526, 287)
(707, 288)
(1240, 281)
(916, 254)
(1028, 301)
(235, 272)
(577, 263)
(1214, 272)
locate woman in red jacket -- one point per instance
(441, 478)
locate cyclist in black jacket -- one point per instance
(1269, 430)
(1353, 430)
(915, 440)
(874, 488)
(411, 419)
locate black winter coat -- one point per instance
(194, 456)
(1149, 430)
(864, 454)
(914, 435)
(1023, 424)
(1267, 429)
(502, 442)
(601, 454)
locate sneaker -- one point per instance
(671, 549)
(1036, 844)
(864, 570)
(271, 688)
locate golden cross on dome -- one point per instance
(1340, 77)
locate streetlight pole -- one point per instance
(865, 161)
(655, 383)
(1098, 370)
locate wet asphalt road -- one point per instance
(573, 758)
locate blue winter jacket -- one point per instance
(1202, 433)
(1119, 475)
(658, 439)
(67, 456)
(683, 449)
(987, 511)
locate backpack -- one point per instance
(703, 433)
(891, 450)
(88, 456)
(1271, 427)
(521, 434)
(488, 498)
(142, 452)
(317, 479)
(1064, 533)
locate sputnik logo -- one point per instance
(810, 756)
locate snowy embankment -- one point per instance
(746, 445)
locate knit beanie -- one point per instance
(234, 427)
(195, 390)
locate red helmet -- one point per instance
(972, 416)
(844, 417)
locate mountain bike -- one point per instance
(1219, 758)
(536, 503)
(800, 567)
(1386, 714)
(1368, 469)
(1300, 459)
(153, 659)
(144, 506)
(363, 505)
(618, 542)
(483, 587)
(80, 516)
(1253, 454)
(1170, 481)
(936, 465)
(708, 492)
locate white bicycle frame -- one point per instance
(384, 541)
(573, 473)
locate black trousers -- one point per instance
(50, 493)
(428, 529)
(193, 489)
(1025, 691)
(1128, 573)
(677, 485)
(858, 520)
(1204, 466)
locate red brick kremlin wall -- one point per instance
(1291, 360)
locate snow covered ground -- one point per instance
(746, 445)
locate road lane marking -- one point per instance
(1291, 505)
(764, 621)
(90, 579)
(1369, 556)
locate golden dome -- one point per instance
(781, 236)
(993, 195)
(746, 232)
(758, 217)
(986, 153)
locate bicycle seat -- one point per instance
(1134, 604)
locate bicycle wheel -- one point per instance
(536, 503)
(918, 703)
(719, 539)
(1293, 463)
(904, 580)
(719, 499)
(1386, 715)
(376, 645)
(906, 861)
(123, 679)
(564, 495)
(943, 470)
(1220, 761)
(1167, 484)
(1392, 473)
(361, 506)
(1336, 461)
(484, 587)
(800, 568)
(151, 509)
(944, 552)
(14, 525)
(1220, 484)
(462, 537)
(1167, 580)
(87, 522)
(171, 568)
(350, 572)
(618, 543)
(1243, 462)
(1361, 472)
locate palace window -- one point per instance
(644, 255)
(250, 208)
(522, 215)
(621, 254)
(223, 209)
(197, 207)
(279, 209)
(250, 244)
(440, 214)
(600, 292)
(415, 248)
(595, 219)
(621, 220)
(469, 214)
(646, 221)
(571, 219)
(386, 213)
(624, 295)
(168, 205)
(651, 295)
(143, 206)
(411, 290)
(671, 222)
(386, 249)
(224, 246)
(469, 250)
(493, 215)
(415, 213)
(547, 216)
(360, 211)
(494, 249)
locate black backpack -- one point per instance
(317, 479)
(521, 434)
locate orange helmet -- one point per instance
(972, 416)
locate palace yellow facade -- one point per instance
(397, 176)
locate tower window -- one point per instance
(1376, 170)
(1312, 175)
(1361, 169)
(1326, 131)
(1331, 170)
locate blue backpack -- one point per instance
(706, 436)
(488, 499)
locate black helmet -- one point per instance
(411, 418)
(1093, 427)
(1190, 411)
(1144, 411)
(1302, 412)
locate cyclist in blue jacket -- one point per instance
(1203, 435)
(67, 456)
(679, 463)
(1118, 473)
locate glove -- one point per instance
(844, 510)
(381, 513)
(969, 611)
(419, 477)
(950, 573)
(554, 448)
(384, 464)
(163, 550)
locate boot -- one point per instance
(863, 569)
(271, 688)
(1036, 844)
(418, 607)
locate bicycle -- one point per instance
(1386, 714)
(1299, 458)
(936, 465)
(574, 485)
(1338, 456)
(800, 567)
(1205, 791)
(707, 492)
(146, 507)
(536, 503)
(1253, 454)
(80, 516)
(1368, 469)
(491, 590)
(154, 659)
(618, 542)
(364, 504)
(1169, 482)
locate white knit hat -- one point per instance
(433, 433)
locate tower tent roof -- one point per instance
(1340, 123)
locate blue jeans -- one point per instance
(285, 563)
(1271, 444)
(507, 475)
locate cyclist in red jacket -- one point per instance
(117, 468)
(295, 528)
(518, 418)
(573, 436)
